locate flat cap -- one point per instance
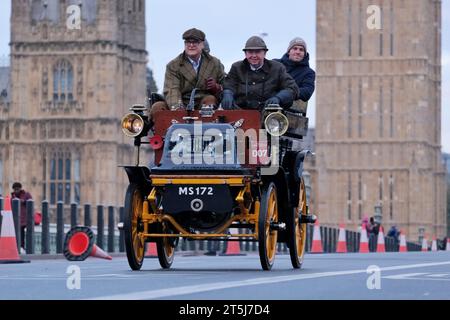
(194, 34)
(255, 43)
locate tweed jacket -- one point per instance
(181, 78)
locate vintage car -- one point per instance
(216, 171)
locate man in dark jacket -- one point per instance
(256, 82)
(23, 196)
(296, 61)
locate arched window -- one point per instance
(47, 10)
(88, 10)
(63, 81)
(61, 177)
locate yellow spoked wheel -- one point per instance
(297, 231)
(166, 248)
(267, 238)
(133, 226)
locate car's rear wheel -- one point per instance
(165, 247)
(296, 230)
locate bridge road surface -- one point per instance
(413, 275)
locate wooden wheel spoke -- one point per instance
(267, 237)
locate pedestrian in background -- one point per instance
(372, 227)
(23, 196)
(393, 233)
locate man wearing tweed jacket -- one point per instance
(193, 68)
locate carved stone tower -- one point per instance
(378, 130)
(70, 86)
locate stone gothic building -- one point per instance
(60, 131)
(378, 130)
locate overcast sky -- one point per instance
(228, 24)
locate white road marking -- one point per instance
(177, 291)
(419, 276)
(439, 275)
(404, 276)
(115, 276)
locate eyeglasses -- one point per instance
(254, 51)
(194, 42)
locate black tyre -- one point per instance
(165, 248)
(267, 238)
(133, 226)
(296, 232)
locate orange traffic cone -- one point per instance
(364, 242)
(434, 244)
(151, 250)
(8, 242)
(402, 247)
(317, 240)
(233, 249)
(342, 244)
(425, 244)
(380, 241)
(447, 247)
(79, 244)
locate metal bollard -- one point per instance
(1, 208)
(350, 242)
(110, 229)
(201, 245)
(16, 216)
(247, 242)
(324, 237)
(73, 215)
(87, 215)
(335, 240)
(254, 246)
(330, 240)
(100, 226)
(45, 235)
(121, 235)
(307, 238)
(358, 241)
(59, 227)
(193, 245)
(29, 243)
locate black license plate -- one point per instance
(197, 198)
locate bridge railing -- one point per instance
(48, 237)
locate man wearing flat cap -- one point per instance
(193, 68)
(256, 82)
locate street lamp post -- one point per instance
(378, 215)
(307, 179)
(421, 234)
